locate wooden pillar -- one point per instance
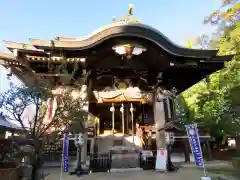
(127, 115)
(238, 144)
(186, 148)
(209, 151)
(159, 118)
(150, 140)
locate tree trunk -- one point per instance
(36, 166)
(38, 160)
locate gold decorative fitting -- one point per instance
(129, 50)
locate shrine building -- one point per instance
(132, 72)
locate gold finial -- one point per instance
(130, 9)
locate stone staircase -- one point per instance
(105, 142)
(125, 153)
(125, 157)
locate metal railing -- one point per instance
(147, 162)
(100, 162)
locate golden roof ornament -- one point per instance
(130, 9)
(129, 17)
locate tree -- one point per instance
(227, 39)
(28, 106)
(225, 16)
(215, 101)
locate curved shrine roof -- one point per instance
(125, 28)
(122, 28)
(118, 29)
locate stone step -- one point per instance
(112, 170)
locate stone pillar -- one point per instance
(92, 145)
(84, 149)
(159, 119)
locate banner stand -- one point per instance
(195, 144)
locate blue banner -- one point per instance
(193, 137)
(65, 152)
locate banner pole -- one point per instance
(204, 169)
(61, 172)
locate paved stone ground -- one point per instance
(182, 174)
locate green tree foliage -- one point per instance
(216, 101)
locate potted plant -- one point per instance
(10, 158)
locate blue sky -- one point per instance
(45, 19)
